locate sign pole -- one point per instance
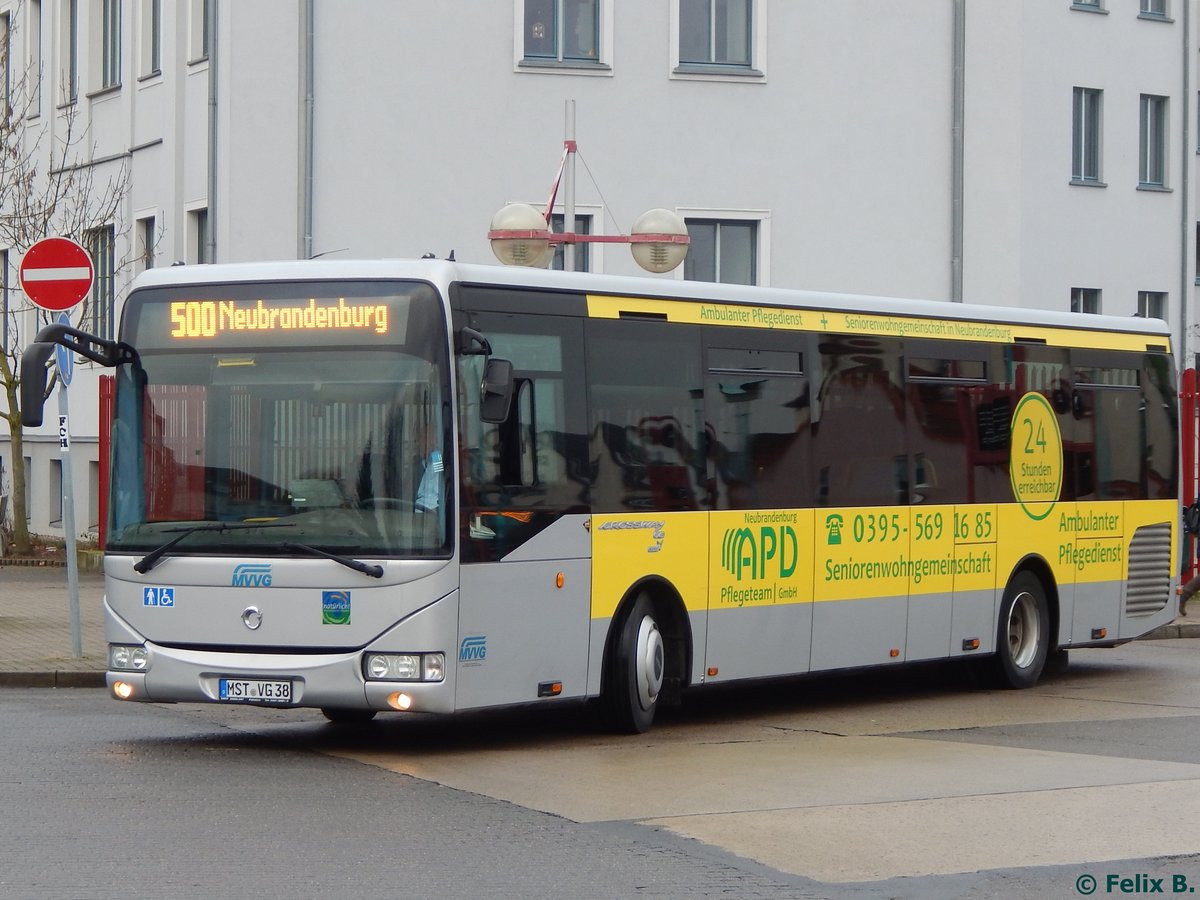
(56, 273)
(68, 512)
(66, 370)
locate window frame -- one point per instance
(762, 243)
(33, 55)
(753, 72)
(109, 35)
(1087, 130)
(68, 52)
(1080, 297)
(8, 315)
(1153, 152)
(584, 253)
(1147, 299)
(150, 39)
(1155, 10)
(602, 65)
(101, 243)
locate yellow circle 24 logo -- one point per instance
(1036, 456)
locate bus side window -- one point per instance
(520, 474)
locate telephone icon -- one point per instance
(833, 524)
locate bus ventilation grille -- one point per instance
(1149, 587)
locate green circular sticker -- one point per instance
(1035, 464)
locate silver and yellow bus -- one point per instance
(428, 487)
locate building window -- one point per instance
(101, 244)
(6, 61)
(722, 250)
(1156, 9)
(1198, 253)
(562, 30)
(198, 236)
(1089, 5)
(200, 38)
(1085, 300)
(583, 225)
(110, 44)
(715, 32)
(68, 46)
(151, 37)
(1152, 305)
(1085, 136)
(33, 53)
(7, 314)
(55, 500)
(1153, 143)
(147, 240)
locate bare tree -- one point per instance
(50, 185)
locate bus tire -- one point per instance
(340, 716)
(636, 670)
(1023, 633)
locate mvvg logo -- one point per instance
(252, 575)
(742, 549)
(473, 649)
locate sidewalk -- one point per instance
(35, 628)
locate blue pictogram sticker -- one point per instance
(158, 596)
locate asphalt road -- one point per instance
(860, 786)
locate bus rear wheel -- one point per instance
(636, 670)
(1023, 635)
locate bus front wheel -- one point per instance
(636, 670)
(1023, 636)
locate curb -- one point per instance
(1174, 630)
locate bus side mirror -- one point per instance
(495, 393)
(33, 382)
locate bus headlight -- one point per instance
(404, 666)
(127, 657)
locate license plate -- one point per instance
(254, 690)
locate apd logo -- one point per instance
(745, 552)
(473, 650)
(335, 607)
(252, 575)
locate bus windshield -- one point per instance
(314, 411)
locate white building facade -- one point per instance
(1030, 153)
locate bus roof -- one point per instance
(443, 273)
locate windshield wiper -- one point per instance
(147, 562)
(357, 565)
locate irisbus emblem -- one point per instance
(252, 575)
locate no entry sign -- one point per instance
(56, 273)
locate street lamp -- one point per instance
(520, 234)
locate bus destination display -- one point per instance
(212, 318)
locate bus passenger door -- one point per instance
(1106, 457)
(523, 538)
(860, 483)
(761, 529)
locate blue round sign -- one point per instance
(64, 357)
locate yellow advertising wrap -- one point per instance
(841, 322)
(627, 548)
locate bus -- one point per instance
(426, 487)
